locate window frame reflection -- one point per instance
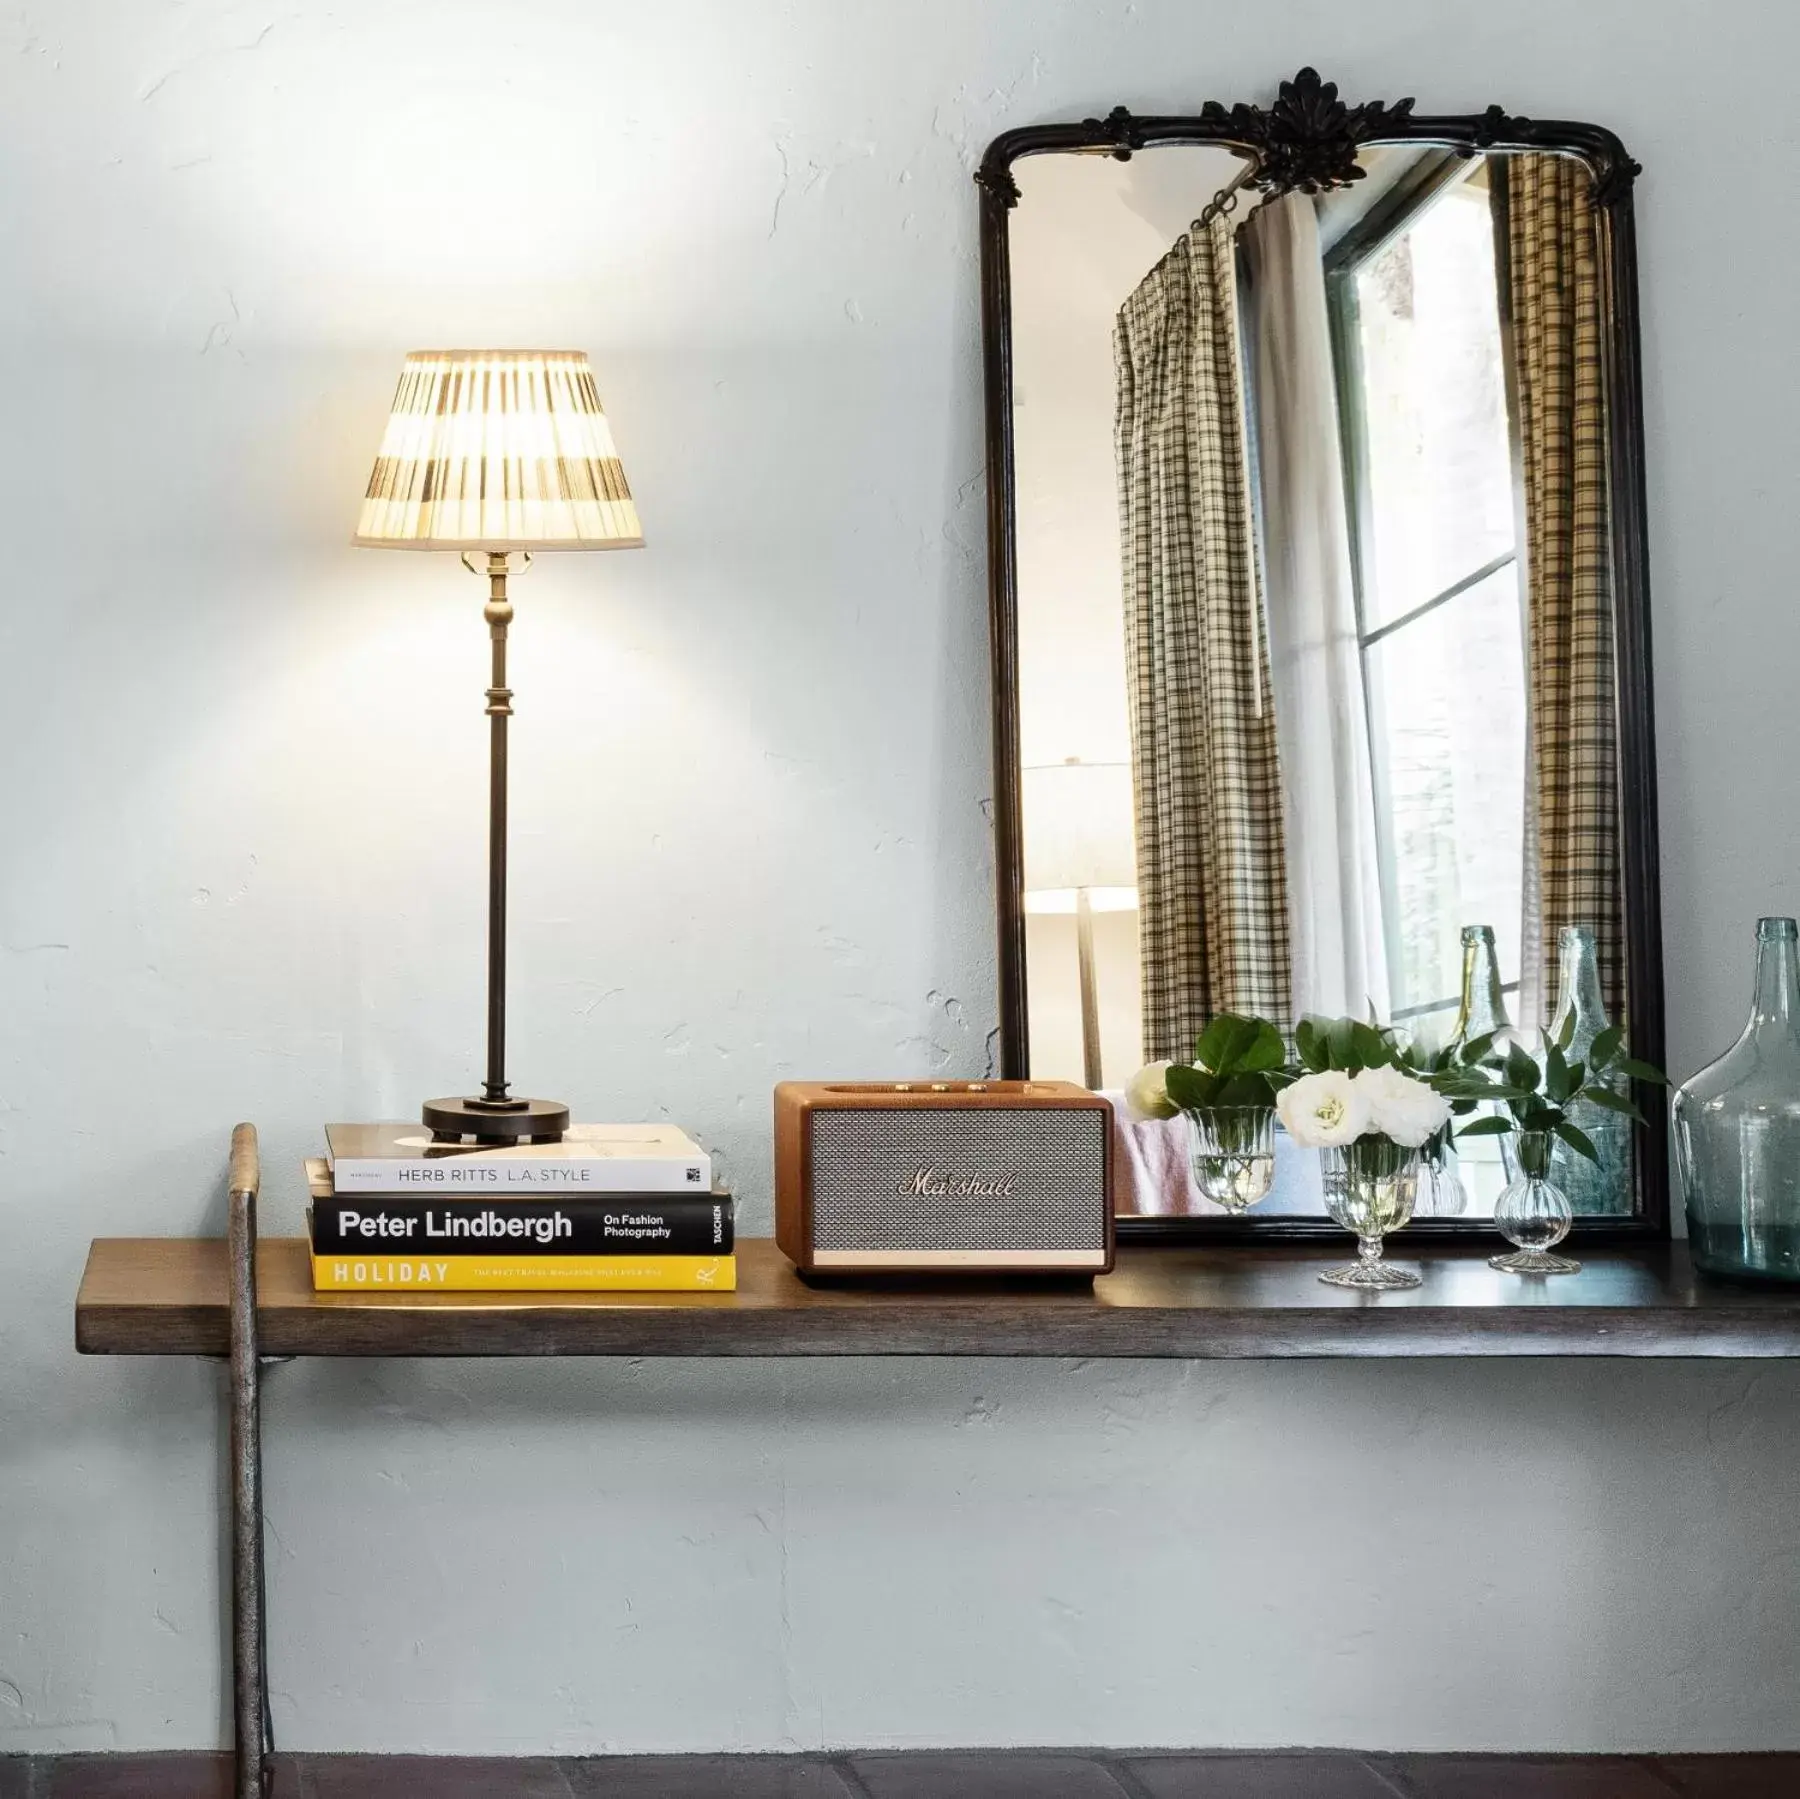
(1440, 178)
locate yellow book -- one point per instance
(339, 1273)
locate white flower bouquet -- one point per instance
(1336, 1108)
(1351, 1094)
(1228, 1094)
(1371, 1115)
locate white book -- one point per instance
(591, 1158)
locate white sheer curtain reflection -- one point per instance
(1334, 887)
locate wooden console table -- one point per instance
(253, 1302)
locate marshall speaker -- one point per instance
(915, 1177)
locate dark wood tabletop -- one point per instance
(166, 1296)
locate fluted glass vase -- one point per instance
(1534, 1213)
(1737, 1130)
(1233, 1150)
(1371, 1188)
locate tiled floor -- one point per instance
(961, 1775)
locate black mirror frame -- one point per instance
(1308, 142)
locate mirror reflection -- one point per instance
(1315, 610)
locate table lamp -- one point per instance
(489, 452)
(1079, 846)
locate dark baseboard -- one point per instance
(923, 1774)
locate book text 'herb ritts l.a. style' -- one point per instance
(614, 1158)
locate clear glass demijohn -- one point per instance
(1737, 1129)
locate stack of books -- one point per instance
(611, 1208)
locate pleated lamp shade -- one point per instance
(498, 450)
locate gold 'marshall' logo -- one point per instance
(942, 1183)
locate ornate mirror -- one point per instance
(1321, 648)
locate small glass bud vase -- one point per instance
(1371, 1188)
(1534, 1213)
(1234, 1154)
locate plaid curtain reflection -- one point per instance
(1213, 921)
(1554, 289)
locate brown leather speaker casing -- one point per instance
(943, 1177)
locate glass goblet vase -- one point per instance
(1233, 1150)
(1371, 1188)
(1533, 1213)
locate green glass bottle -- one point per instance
(1483, 1166)
(1483, 1009)
(1599, 1189)
(1737, 1129)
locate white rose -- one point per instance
(1323, 1111)
(1147, 1093)
(1401, 1107)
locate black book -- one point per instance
(575, 1224)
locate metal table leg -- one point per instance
(249, 1632)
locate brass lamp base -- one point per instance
(496, 1120)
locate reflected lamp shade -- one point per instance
(498, 450)
(1079, 827)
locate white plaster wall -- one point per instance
(242, 880)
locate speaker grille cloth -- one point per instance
(866, 1165)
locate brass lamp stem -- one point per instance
(496, 1116)
(498, 612)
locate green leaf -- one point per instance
(1467, 1084)
(1522, 1071)
(1309, 1046)
(1609, 1101)
(1462, 1083)
(1486, 1127)
(1478, 1049)
(1566, 1035)
(1641, 1071)
(1224, 1041)
(1577, 1139)
(1370, 1047)
(1249, 1034)
(1340, 1043)
(1266, 1050)
(1192, 1089)
(1556, 1075)
(1540, 1117)
(1248, 1090)
(1606, 1046)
